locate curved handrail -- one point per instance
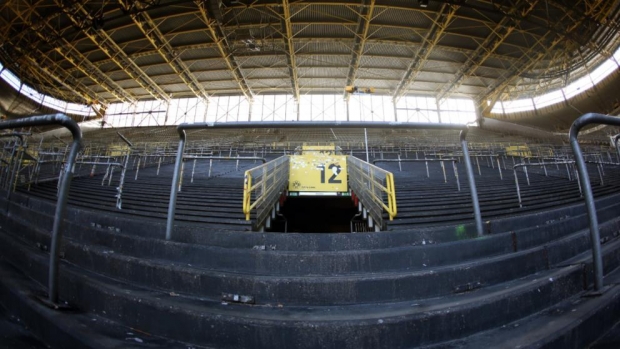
(586, 119)
(61, 203)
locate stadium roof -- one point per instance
(110, 51)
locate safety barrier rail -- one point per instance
(426, 161)
(584, 178)
(61, 203)
(263, 186)
(374, 187)
(568, 163)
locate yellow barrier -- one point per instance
(374, 187)
(262, 188)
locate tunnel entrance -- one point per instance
(316, 215)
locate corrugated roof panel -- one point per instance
(426, 86)
(434, 77)
(159, 69)
(404, 35)
(214, 85)
(379, 74)
(449, 56)
(261, 60)
(190, 38)
(325, 72)
(303, 31)
(460, 41)
(323, 60)
(442, 66)
(206, 64)
(319, 46)
(406, 17)
(487, 72)
(377, 84)
(385, 62)
(308, 12)
(267, 73)
(334, 83)
(404, 50)
(268, 83)
(213, 75)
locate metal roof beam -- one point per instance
(443, 20)
(289, 47)
(42, 63)
(361, 35)
(110, 48)
(49, 35)
(220, 40)
(499, 33)
(150, 30)
(549, 41)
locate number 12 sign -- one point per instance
(318, 173)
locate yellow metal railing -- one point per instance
(263, 186)
(374, 187)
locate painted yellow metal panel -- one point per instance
(318, 172)
(329, 148)
(518, 150)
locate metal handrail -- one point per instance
(375, 188)
(266, 182)
(597, 258)
(61, 203)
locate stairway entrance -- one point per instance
(317, 215)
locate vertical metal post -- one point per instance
(499, 168)
(443, 168)
(517, 184)
(10, 172)
(456, 175)
(526, 175)
(174, 187)
(366, 143)
(138, 167)
(600, 173)
(472, 182)
(193, 169)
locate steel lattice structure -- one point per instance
(108, 51)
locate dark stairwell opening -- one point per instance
(316, 215)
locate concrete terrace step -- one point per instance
(71, 329)
(266, 279)
(571, 324)
(395, 325)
